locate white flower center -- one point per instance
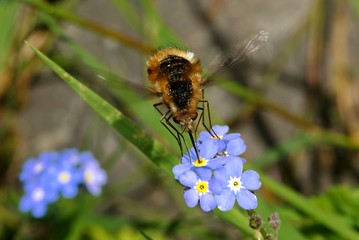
(38, 194)
(235, 184)
(64, 177)
(38, 167)
(89, 176)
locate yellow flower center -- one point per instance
(64, 177)
(202, 187)
(217, 136)
(200, 162)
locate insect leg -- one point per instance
(165, 121)
(205, 106)
(193, 141)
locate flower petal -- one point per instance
(236, 147)
(231, 136)
(69, 191)
(51, 195)
(39, 210)
(246, 199)
(216, 185)
(180, 169)
(208, 149)
(204, 173)
(217, 162)
(188, 179)
(191, 197)
(225, 200)
(203, 136)
(220, 131)
(189, 157)
(219, 144)
(207, 202)
(25, 204)
(234, 167)
(250, 180)
(221, 174)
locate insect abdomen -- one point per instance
(177, 68)
(181, 91)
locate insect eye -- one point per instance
(149, 71)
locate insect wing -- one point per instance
(114, 81)
(237, 54)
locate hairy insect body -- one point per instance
(176, 76)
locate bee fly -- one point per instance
(176, 76)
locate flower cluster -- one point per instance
(213, 175)
(55, 174)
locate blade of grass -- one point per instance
(131, 99)
(332, 221)
(156, 30)
(127, 10)
(128, 129)
(302, 141)
(287, 228)
(355, 7)
(8, 13)
(160, 34)
(272, 156)
(236, 218)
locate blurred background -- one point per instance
(296, 101)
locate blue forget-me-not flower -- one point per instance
(55, 174)
(217, 179)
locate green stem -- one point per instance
(253, 214)
(93, 26)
